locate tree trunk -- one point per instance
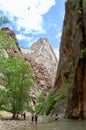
(14, 116)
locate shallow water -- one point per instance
(61, 124)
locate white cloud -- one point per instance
(23, 37)
(29, 13)
(41, 6)
(30, 40)
(56, 50)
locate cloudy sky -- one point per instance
(34, 19)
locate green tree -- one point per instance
(17, 80)
(44, 106)
(6, 41)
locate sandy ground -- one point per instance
(13, 124)
(6, 123)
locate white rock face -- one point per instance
(42, 52)
(27, 51)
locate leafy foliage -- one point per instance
(45, 103)
(84, 3)
(83, 53)
(6, 41)
(73, 2)
(2, 97)
(63, 95)
(16, 77)
(18, 80)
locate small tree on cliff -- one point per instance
(17, 79)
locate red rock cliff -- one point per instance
(72, 63)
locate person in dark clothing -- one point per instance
(24, 116)
(32, 118)
(36, 117)
(56, 117)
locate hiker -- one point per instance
(24, 116)
(32, 117)
(56, 117)
(36, 117)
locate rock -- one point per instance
(72, 61)
(42, 53)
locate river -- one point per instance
(60, 124)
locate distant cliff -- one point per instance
(71, 73)
(42, 53)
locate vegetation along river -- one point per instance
(61, 124)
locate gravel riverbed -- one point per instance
(9, 124)
(13, 124)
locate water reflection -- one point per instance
(61, 124)
(33, 126)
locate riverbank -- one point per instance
(43, 123)
(7, 124)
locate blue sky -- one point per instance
(34, 19)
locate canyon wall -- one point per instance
(72, 63)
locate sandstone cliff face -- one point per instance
(72, 61)
(42, 77)
(79, 58)
(64, 65)
(44, 63)
(42, 53)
